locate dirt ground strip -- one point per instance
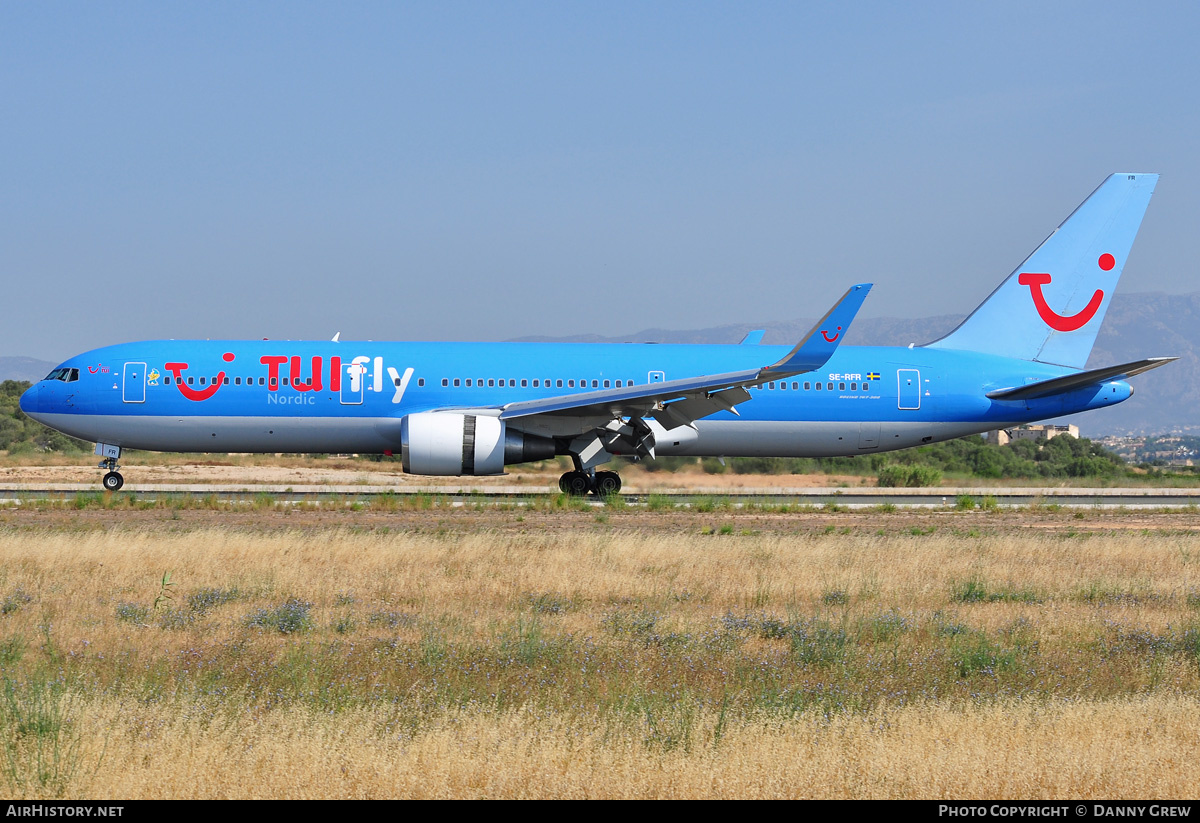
(337, 472)
(511, 518)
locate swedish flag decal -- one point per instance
(873, 375)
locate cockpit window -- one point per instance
(65, 375)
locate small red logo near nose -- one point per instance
(836, 335)
(1053, 319)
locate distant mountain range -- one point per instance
(24, 368)
(1137, 325)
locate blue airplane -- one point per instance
(474, 408)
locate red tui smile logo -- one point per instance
(187, 391)
(1053, 319)
(836, 335)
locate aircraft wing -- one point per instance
(1071, 382)
(681, 402)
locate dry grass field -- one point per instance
(425, 651)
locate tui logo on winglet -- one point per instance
(1053, 319)
(836, 335)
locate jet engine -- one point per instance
(450, 443)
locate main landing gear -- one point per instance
(578, 483)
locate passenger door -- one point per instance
(133, 384)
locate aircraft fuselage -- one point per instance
(283, 396)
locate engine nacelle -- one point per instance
(449, 443)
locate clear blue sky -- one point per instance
(492, 170)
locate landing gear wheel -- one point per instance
(608, 483)
(113, 481)
(576, 484)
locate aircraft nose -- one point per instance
(31, 400)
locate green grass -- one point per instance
(977, 590)
(39, 737)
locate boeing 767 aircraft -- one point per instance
(474, 408)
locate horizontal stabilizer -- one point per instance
(1071, 382)
(753, 338)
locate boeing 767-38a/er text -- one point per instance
(473, 408)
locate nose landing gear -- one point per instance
(112, 480)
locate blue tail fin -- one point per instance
(1050, 309)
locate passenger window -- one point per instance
(191, 380)
(795, 386)
(829, 386)
(618, 384)
(397, 382)
(866, 386)
(225, 382)
(524, 384)
(558, 383)
(468, 382)
(570, 384)
(274, 381)
(512, 383)
(262, 381)
(421, 381)
(853, 387)
(237, 381)
(807, 386)
(535, 383)
(202, 379)
(285, 380)
(492, 382)
(818, 387)
(445, 382)
(456, 382)
(771, 385)
(595, 384)
(606, 384)
(841, 386)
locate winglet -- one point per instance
(753, 338)
(815, 349)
